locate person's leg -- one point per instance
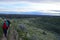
(5, 33)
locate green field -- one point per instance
(38, 28)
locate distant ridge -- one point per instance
(24, 16)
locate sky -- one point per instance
(45, 6)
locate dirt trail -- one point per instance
(4, 38)
(12, 35)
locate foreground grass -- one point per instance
(34, 33)
(1, 30)
(37, 28)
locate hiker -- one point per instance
(5, 27)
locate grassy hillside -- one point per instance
(38, 28)
(48, 23)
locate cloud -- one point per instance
(56, 10)
(49, 7)
(29, 6)
(34, 0)
(13, 5)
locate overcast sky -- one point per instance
(46, 6)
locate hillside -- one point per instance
(36, 28)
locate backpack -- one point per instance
(8, 23)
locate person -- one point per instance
(5, 27)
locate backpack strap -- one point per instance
(7, 23)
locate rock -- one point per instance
(22, 27)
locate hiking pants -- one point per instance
(5, 32)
